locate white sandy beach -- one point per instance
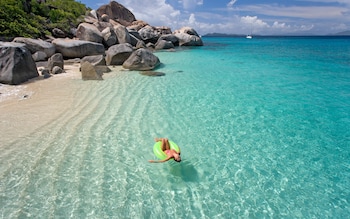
(26, 107)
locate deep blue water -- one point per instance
(263, 125)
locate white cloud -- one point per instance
(308, 12)
(231, 3)
(155, 12)
(253, 22)
(278, 25)
(192, 19)
(346, 2)
(191, 4)
(339, 27)
(247, 24)
(306, 27)
(267, 19)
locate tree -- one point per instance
(36, 18)
(27, 7)
(15, 22)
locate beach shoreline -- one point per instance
(29, 106)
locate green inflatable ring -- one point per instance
(157, 150)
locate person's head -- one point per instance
(177, 157)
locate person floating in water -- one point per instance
(170, 153)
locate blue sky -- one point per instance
(266, 17)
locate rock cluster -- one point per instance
(111, 35)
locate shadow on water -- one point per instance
(152, 73)
(184, 170)
(156, 71)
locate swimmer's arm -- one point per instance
(159, 161)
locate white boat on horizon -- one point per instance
(250, 36)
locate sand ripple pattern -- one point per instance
(92, 161)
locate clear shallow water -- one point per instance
(263, 125)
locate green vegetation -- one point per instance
(35, 18)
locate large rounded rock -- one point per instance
(170, 37)
(89, 72)
(163, 30)
(117, 12)
(142, 60)
(90, 18)
(99, 63)
(134, 34)
(163, 44)
(89, 32)
(39, 56)
(137, 25)
(109, 37)
(78, 48)
(102, 25)
(117, 54)
(57, 70)
(58, 33)
(95, 60)
(37, 45)
(140, 44)
(149, 34)
(122, 34)
(17, 64)
(188, 37)
(55, 60)
(105, 18)
(134, 40)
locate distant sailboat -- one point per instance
(250, 36)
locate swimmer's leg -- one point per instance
(157, 139)
(163, 144)
(167, 145)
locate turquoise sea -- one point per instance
(263, 125)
